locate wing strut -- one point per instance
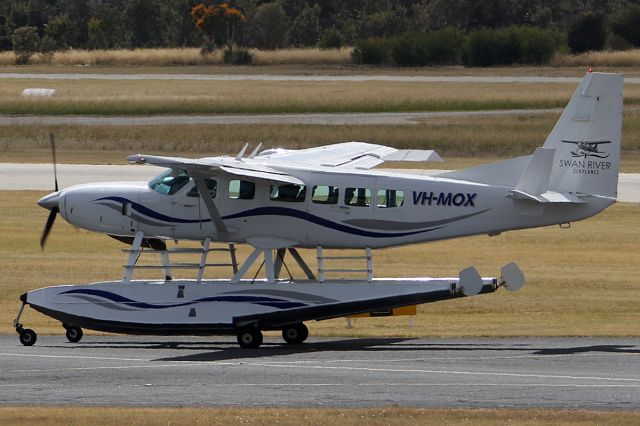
(216, 219)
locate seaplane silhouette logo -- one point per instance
(586, 149)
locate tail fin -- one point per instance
(586, 139)
(581, 155)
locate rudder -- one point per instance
(587, 138)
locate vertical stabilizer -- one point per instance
(586, 138)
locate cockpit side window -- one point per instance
(169, 182)
(212, 185)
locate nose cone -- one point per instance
(50, 201)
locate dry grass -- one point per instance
(104, 97)
(617, 59)
(309, 416)
(581, 282)
(183, 57)
(462, 141)
(303, 56)
(609, 60)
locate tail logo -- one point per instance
(586, 149)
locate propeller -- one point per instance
(52, 202)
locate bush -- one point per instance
(26, 42)
(371, 51)
(237, 57)
(512, 45)
(443, 47)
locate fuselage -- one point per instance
(335, 208)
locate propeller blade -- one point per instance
(48, 226)
(52, 139)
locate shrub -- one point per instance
(237, 57)
(371, 51)
(512, 45)
(441, 47)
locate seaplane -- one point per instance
(278, 201)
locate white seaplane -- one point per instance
(280, 200)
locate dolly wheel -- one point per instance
(250, 338)
(295, 334)
(28, 337)
(74, 334)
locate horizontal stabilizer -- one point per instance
(547, 197)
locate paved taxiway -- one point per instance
(40, 177)
(575, 373)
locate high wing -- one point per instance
(360, 155)
(216, 166)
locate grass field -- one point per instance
(461, 141)
(308, 416)
(134, 97)
(581, 281)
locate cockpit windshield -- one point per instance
(170, 181)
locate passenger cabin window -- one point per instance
(390, 198)
(170, 182)
(212, 185)
(323, 194)
(359, 197)
(242, 190)
(288, 192)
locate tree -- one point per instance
(96, 38)
(268, 29)
(59, 30)
(145, 25)
(217, 24)
(626, 24)
(587, 33)
(26, 42)
(305, 29)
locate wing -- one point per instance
(217, 166)
(348, 154)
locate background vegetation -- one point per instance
(422, 32)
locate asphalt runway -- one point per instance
(40, 176)
(568, 373)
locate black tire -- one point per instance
(250, 338)
(74, 334)
(28, 337)
(295, 334)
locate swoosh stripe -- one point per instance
(275, 211)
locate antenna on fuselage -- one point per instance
(242, 151)
(255, 151)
